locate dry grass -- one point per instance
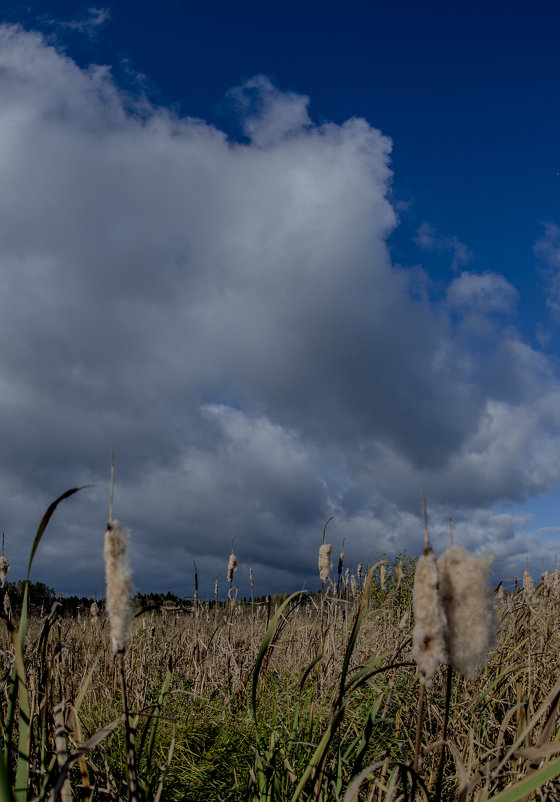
(294, 700)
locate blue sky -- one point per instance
(288, 262)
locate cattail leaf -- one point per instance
(266, 641)
(157, 715)
(308, 671)
(85, 685)
(526, 786)
(5, 788)
(45, 520)
(82, 750)
(319, 754)
(362, 609)
(24, 745)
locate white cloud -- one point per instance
(226, 318)
(484, 292)
(429, 239)
(547, 251)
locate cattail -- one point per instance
(4, 565)
(324, 561)
(346, 577)
(360, 571)
(251, 580)
(398, 575)
(353, 585)
(231, 567)
(119, 585)
(528, 585)
(383, 577)
(94, 610)
(4, 568)
(428, 636)
(216, 589)
(340, 561)
(468, 603)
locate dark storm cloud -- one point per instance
(226, 318)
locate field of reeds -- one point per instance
(308, 697)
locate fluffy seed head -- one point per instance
(360, 571)
(118, 578)
(324, 561)
(528, 586)
(468, 603)
(231, 567)
(398, 574)
(428, 636)
(383, 577)
(4, 568)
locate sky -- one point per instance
(286, 262)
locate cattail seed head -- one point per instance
(383, 577)
(428, 636)
(528, 586)
(353, 585)
(340, 562)
(231, 567)
(118, 579)
(4, 568)
(251, 579)
(324, 561)
(360, 571)
(468, 603)
(398, 575)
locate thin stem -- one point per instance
(418, 743)
(130, 735)
(439, 780)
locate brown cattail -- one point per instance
(428, 636)
(353, 585)
(360, 571)
(468, 603)
(251, 579)
(94, 610)
(118, 579)
(231, 567)
(324, 561)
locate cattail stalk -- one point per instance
(118, 579)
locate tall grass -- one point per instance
(306, 698)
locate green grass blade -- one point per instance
(529, 784)
(6, 794)
(362, 609)
(157, 715)
(45, 520)
(266, 641)
(319, 753)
